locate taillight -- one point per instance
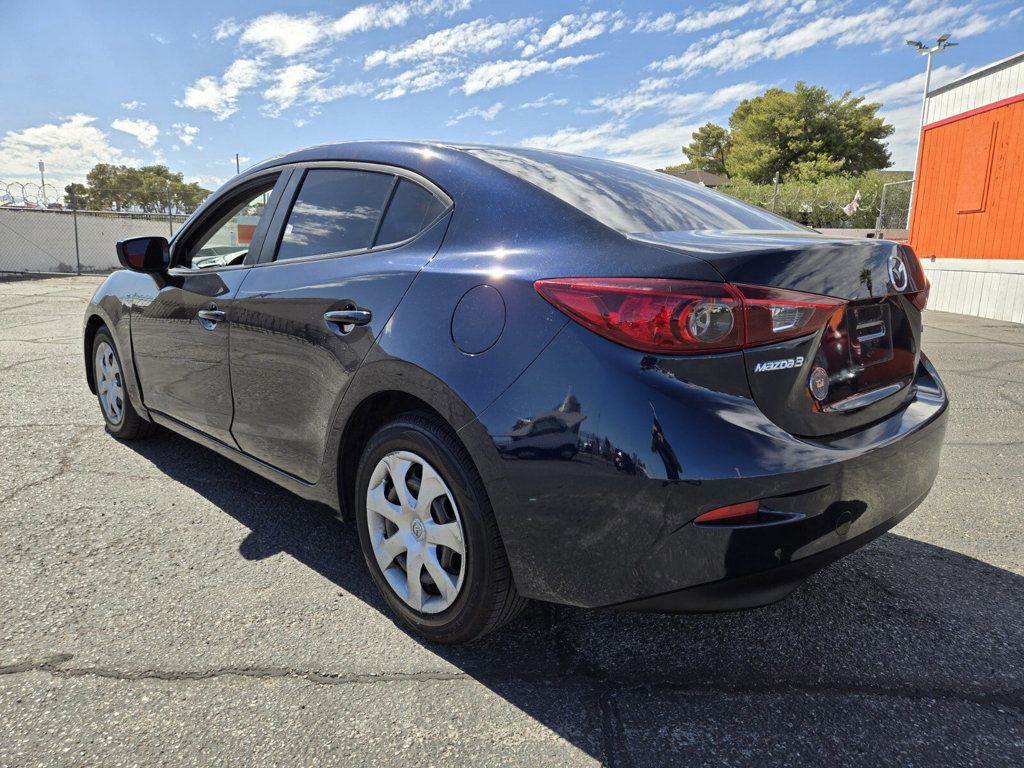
(774, 314)
(686, 316)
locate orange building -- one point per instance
(968, 217)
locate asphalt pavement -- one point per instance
(161, 606)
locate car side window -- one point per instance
(335, 211)
(411, 209)
(225, 241)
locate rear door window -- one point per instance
(336, 211)
(412, 208)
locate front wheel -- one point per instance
(121, 418)
(428, 533)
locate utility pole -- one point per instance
(238, 168)
(775, 192)
(42, 180)
(940, 45)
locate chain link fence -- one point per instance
(894, 210)
(43, 230)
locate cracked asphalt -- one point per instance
(161, 606)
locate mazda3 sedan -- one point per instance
(530, 375)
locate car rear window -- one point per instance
(411, 209)
(627, 199)
(335, 211)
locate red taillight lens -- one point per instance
(774, 314)
(686, 316)
(652, 315)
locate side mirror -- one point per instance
(144, 254)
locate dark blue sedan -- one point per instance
(526, 374)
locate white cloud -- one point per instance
(712, 18)
(473, 37)
(911, 89)
(186, 133)
(159, 38)
(288, 86)
(226, 28)
(653, 147)
(319, 94)
(143, 130)
(284, 34)
(220, 96)
(487, 114)
(423, 77)
(496, 74)
(662, 23)
(699, 20)
(70, 149)
(569, 30)
(544, 101)
(659, 93)
(788, 35)
(132, 105)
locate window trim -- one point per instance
(268, 253)
(208, 215)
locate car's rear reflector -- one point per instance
(732, 513)
(686, 317)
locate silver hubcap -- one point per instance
(416, 532)
(109, 384)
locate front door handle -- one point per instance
(347, 318)
(212, 315)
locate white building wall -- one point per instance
(999, 81)
(981, 287)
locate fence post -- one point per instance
(170, 218)
(74, 216)
(775, 192)
(881, 208)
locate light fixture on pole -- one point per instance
(940, 45)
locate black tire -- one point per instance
(131, 425)
(488, 598)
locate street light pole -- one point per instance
(940, 45)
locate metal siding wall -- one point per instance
(984, 291)
(1000, 84)
(938, 228)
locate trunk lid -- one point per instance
(861, 366)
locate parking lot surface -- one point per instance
(161, 606)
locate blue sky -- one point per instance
(190, 84)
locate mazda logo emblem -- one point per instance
(897, 273)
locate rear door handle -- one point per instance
(348, 317)
(212, 315)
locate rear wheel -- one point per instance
(122, 420)
(428, 533)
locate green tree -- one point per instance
(149, 189)
(76, 196)
(805, 135)
(708, 150)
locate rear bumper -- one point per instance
(760, 587)
(611, 524)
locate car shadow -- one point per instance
(900, 618)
